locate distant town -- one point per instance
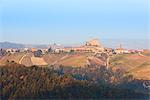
(91, 46)
(74, 50)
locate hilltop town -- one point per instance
(88, 65)
(92, 53)
(93, 45)
(88, 52)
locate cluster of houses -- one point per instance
(121, 50)
(21, 50)
(91, 46)
(12, 50)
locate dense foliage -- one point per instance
(20, 82)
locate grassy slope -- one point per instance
(12, 57)
(74, 60)
(27, 60)
(66, 59)
(146, 53)
(38, 61)
(59, 59)
(135, 64)
(51, 58)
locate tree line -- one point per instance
(21, 82)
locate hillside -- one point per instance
(52, 58)
(129, 64)
(74, 60)
(146, 53)
(11, 57)
(135, 64)
(65, 59)
(20, 82)
(38, 61)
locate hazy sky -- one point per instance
(72, 21)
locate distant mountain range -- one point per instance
(110, 43)
(6, 45)
(11, 45)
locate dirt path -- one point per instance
(22, 58)
(60, 59)
(141, 54)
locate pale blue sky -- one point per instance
(72, 21)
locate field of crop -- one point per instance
(51, 58)
(134, 64)
(38, 61)
(146, 53)
(27, 60)
(141, 72)
(12, 57)
(74, 60)
(137, 65)
(66, 59)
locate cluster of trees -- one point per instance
(95, 74)
(101, 74)
(38, 53)
(20, 82)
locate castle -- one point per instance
(91, 46)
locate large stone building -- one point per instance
(94, 42)
(90, 46)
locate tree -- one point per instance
(38, 53)
(71, 51)
(50, 50)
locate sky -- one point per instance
(73, 21)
